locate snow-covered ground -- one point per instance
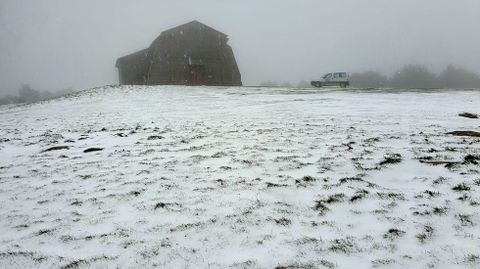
(240, 178)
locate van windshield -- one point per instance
(327, 75)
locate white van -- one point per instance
(341, 79)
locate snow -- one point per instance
(214, 177)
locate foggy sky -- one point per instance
(55, 44)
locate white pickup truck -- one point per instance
(341, 79)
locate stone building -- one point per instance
(190, 54)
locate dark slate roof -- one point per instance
(142, 54)
(192, 24)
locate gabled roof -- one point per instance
(145, 54)
(196, 24)
(139, 55)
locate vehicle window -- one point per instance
(329, 75)
(337, 75)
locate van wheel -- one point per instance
(342, 85)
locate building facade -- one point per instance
(190, 54)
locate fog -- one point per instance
(56, 44)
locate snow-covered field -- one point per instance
(240, 178)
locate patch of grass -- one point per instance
(473, 159)
(135, 193)
(380, 211)
(382, 262)
(76, 203)
(431, 193)
(391, 158)
(465, 220)
(439, 180)
(67, 238)
(429, 212)
(328, 264)
(319, 206)
(245, 264)
(461, 187)
(155, 137)
(356, 197)
(360, 194)
(45, 231)
(350, 179)
(465, 133)
(225, 167)
(440, 210)
(306, 240)
(426, 234)
(306, 179)
(275, 185)
(344, 245)
(425, 158)
(159, 205)
(218, 155)
(285, 158)
(468, 115)
(334, 198)
(393, 233)
(56, 148)
(183, 227)
(472, 259)
(297, 266)
(82, 262)
(283, 221)
(391, 195)
(92, 150)
(465, 197)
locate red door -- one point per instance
(196, 75)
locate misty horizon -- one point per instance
(55, 45)
(239, 134)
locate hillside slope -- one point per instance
(203, 177)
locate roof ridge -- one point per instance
(192, 22)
